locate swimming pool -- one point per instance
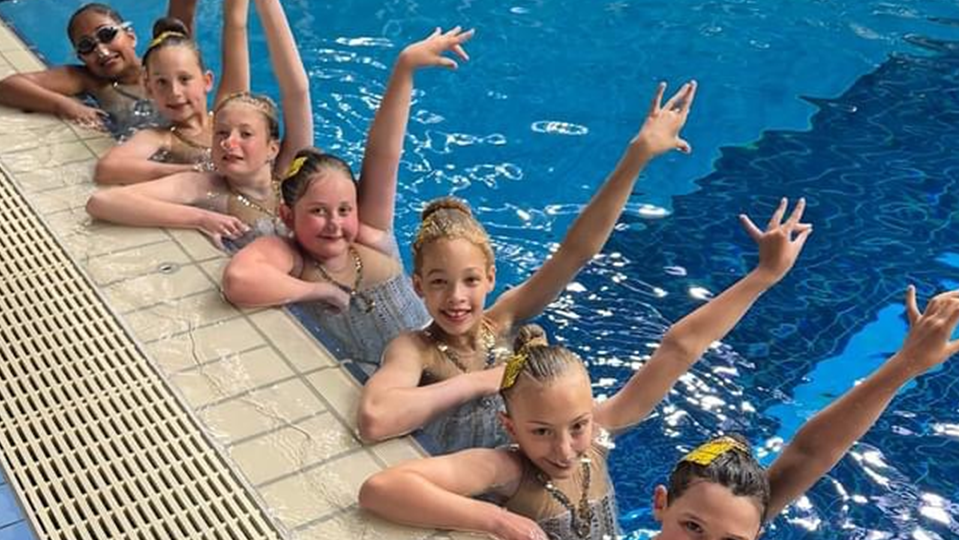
(553, 93)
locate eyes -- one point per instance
(164, 83)
(470, 281)
(692, 527)
(577, 429)
(342, 211)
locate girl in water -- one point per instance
(554, 483)
(446, 377)
(106, 45)
(237, 202)
(343, 255)
(178, 82)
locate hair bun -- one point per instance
(530, 335)
(169, 24)
(446, 203)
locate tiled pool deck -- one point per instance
(276, 401)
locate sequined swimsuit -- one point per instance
(532, 500)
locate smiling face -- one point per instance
(324, 218)
(453, 279)
(177, 84)
(243, 148)
(707, 511)
(552, 422)
(111, 57)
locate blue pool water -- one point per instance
(852, 104)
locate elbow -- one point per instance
(371, 425)
(237, 284)
(674, 346)
(97, 205)
(105, 173)
(373, 491)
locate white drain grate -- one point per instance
(92, 438)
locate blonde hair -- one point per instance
(263, 104)
(449, 218)
(536, 360)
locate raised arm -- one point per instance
(130, 163)
(826, 437)
(435, 493)
(51, 91)
(588, 234)
(184, 10)
(165, 203)
(384, 144)
(393, 403)
(235, 73)
(687, 340)
(259, 275)
(294, 86)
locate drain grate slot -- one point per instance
(94, 441)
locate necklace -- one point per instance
(250, 203)
(487, 339)
(353, 291)
(141, 107)
(187, 141)
(581, 517)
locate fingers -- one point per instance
(446, 62)
(797, 213)
(683, 146)
(750, 227)
(777, 216)
(690, 96)
(912, 310)
(654, 107)
(800, 240)
(678, 101)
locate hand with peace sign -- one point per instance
(781, 242)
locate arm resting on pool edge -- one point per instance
(826, 437)
(393, 403)
(259, 275)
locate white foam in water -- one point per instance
(555, 127)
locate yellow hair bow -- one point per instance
(295, 167)
(707, 452)
(514, 366)
(163, 36)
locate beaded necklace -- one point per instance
(250, 203)
(353, 291)
(487, 340)
(581, 516)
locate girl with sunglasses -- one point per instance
(110, 73)
(342, 260)
(238, 201)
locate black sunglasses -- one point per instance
(104, 35)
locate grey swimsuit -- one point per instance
(472, 425)
(534, 501)
(362, 336)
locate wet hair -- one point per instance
(261, 103)
(99, 9)
(536, 360)
(171, 32)
(308, 166)
(448, 218)
(734, 469)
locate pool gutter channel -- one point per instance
(95, 440)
